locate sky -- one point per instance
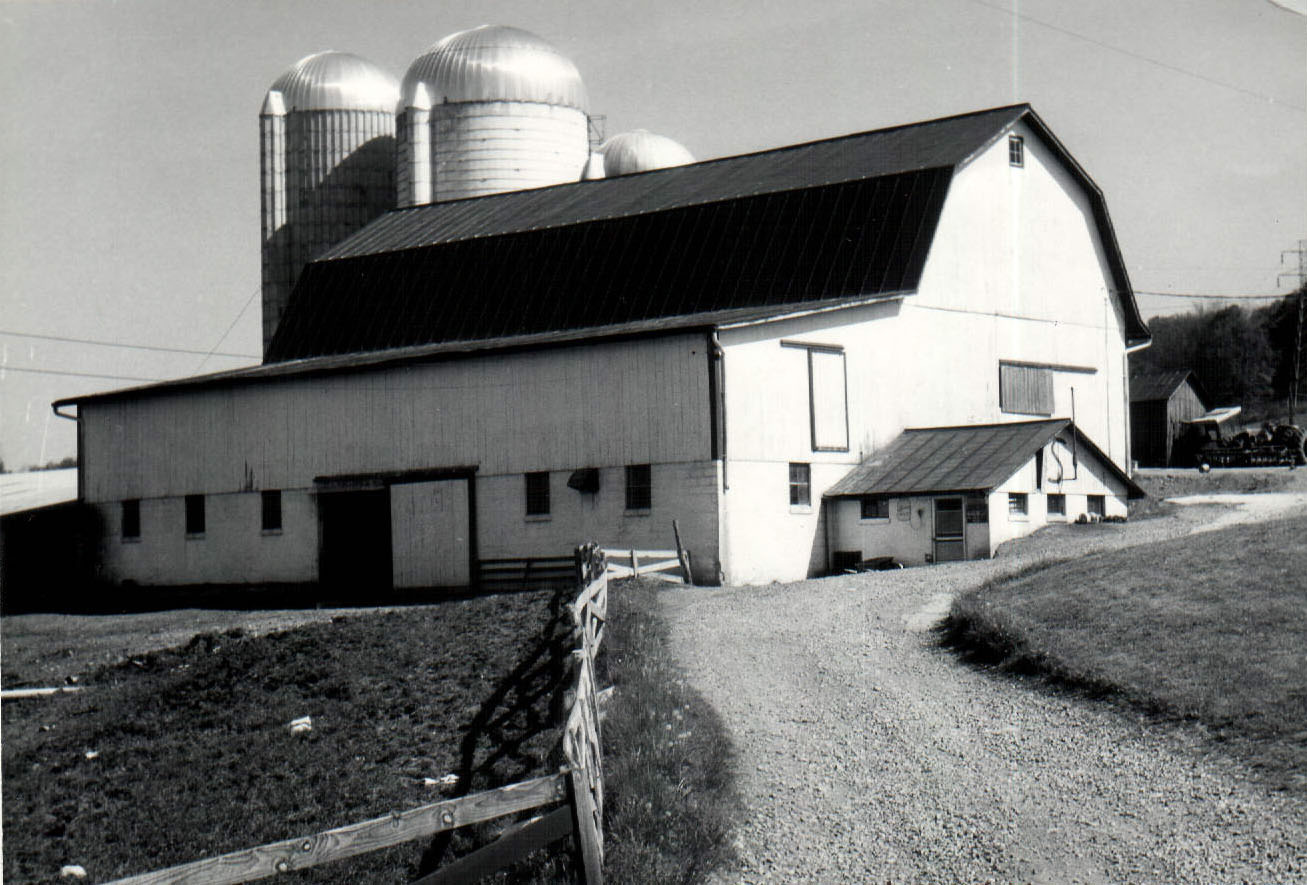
(129, 178)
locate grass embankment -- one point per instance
(185, 754)
(667, 769)
(1208, 628)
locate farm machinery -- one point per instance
(1209, 442)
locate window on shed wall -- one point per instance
(1095, 504)
(195, 515)
(131, 529)
(272, 511)
(1056, 505)
(875, 508)
(800, 485)
(537, 494)
(639, 487)
(1025, 390)
(828, 401)
(1017, 504)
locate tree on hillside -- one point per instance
(1228, 349)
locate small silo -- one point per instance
(505, 111)
(327, 164)
(641, 150)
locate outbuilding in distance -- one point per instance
(1160, 404)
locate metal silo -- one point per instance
(507, 112)
(327, 158)
(641, 150)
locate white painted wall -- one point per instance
(233, 550)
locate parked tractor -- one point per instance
(1208, 442)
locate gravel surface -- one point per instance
(867, 754)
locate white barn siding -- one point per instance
(1018, 272)
(604, 405)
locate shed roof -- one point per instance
(1150, 386)
(839, 218)
(967, 458)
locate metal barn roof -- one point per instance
(839, 218)
(1150, 386)
(968, 458)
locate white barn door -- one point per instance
(429, 533)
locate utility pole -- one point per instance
(1301, 275)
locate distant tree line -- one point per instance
(1242, 357)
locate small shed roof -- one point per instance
(1148, 387)
(967, 458)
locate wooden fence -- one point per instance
(579, 785)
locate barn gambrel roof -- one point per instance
(840, 218)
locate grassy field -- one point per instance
(182, 754)
(667, 769)
(1208, 628)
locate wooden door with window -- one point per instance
(950, 530)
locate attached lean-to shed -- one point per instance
(1159, 403)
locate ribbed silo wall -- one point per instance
(339, 175)
(490, 147)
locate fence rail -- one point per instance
(579, 785)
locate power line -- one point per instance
(1216, 297)
(240, 314)
(4, 369)
(127, 346)
(1144, 58)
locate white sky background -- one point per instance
(129, 178)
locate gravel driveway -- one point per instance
(866, 754)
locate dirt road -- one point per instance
(866, 754)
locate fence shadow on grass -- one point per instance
(526, 706)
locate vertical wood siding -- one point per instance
(644, 401)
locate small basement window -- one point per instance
(1056, 505)
(875, 508)
(1018, 503)
(131, 524)
(1095, 504)
(800, 485)
(272, 510)
(194, 516)
(1016, 150)
(639, 487)
(537, 494)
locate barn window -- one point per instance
(875, 508)
(1025, 390)
(1095, 505)
(194, 516)
(828, 403)
(131, 528)
(272, 511)
(1017, 504)
(800, 485)
(639, 487)
(1016, 150)
(537, 494)
(1057, 505)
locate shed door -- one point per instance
(950, 530)
(430, 529)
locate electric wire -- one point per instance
(151, 347)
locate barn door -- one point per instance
(950, 530)
(355, 554)
(430, 527)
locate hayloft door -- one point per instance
(950, 530)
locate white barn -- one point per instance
(760, 347)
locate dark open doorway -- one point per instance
(355, 556)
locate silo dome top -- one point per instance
(639, 151)
(496, 63)
(336, 81)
